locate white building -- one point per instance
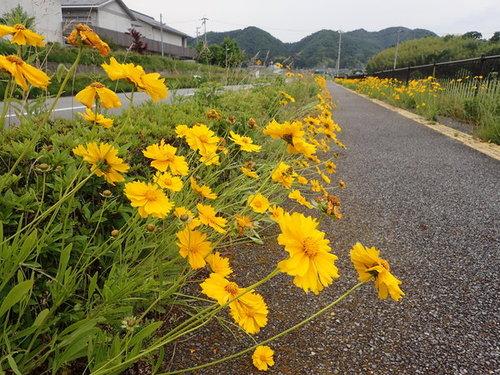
(113, 19)
(47, 13)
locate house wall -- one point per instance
(47, 13)
(113, 17)
(170, 38)
(74, 16)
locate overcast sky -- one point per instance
(291, 20)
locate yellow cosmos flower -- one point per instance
(258, 203)
(263, 357)
(98, 118)
(219, 264)
(201, 138)
(331, 167)
(202, 190)
(245, 143)
(283, 174)
(310, 260)
(316, 186)
(151, 83)
(249, 173)
(104, 160)
(297, 196)
(106, 97)
(24, 73)
(22, 36)
(300, 146)
(164, 157)
(286, 131)
(243, 223)
(166, 180)
(148, 198)
(276, 212)
(249, 311)
(301, 179)
(208, 216)
(368, 264)
(194, 246)
(84, 35)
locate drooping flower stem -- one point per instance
(277, 336)
(6, 102)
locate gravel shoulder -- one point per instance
(432, 205)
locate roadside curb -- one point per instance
(490, 149)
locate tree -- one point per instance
(495, 37)
(138, 45)
(17, 15)
(472, 35)
(226, 54)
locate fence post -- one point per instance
(434, 70)
(481, 74)
(408, 70)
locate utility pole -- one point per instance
(161, 34)
(396, 52)
(204, 22)
(338, 55)
(197, 34)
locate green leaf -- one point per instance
(145, 333)
(15, 295)
(41, 318)
(13, 365)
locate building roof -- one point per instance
(154, 23)
(134, 15)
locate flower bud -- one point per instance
(107, 194)
(151, 227)
(115, 233)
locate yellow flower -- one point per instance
(98, 118)
(286, 131)
(187, 216)
(201, 138)
(330, 167)
(248, 172)
(342, 184)
(22, 36)
(243, 223)
(262, 357)
(368, 264)
(218, 264)
(24, 73)
(298, 197)
(208, 216)
(202, 190)
(209, 158)
(213, 114)
(104, 160)
(283, 174)
(249, 311)
(300, 146)
(166, 181)
(276, 212)
(258, 203)
(323, 176)
(164, 158)
(151, 83)
(107, 98)
(193, 245)
(301, 179)
(310, 260)
(82, 34)
(316, 186)
(245, 143)
(148, 198)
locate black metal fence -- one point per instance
(487, 67)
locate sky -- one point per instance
(292, 20)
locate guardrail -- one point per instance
(484, 66)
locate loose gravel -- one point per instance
(432, 205)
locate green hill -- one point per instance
(433, 49)
(319, 49)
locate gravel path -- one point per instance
(432, 205)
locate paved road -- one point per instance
(433, 206)
(67, 106)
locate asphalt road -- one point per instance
(432, 205)
(68, 107)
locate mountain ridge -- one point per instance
(318, 49)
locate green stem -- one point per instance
(5, 107)
(281, 334)
(70, 73)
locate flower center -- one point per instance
(97, 85)
(150, 195)
(232, 289)
(309, 247)
(19, 27)
(15, 59)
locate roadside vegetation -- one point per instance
(107, 224)
(435, 49)
(470, 99)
